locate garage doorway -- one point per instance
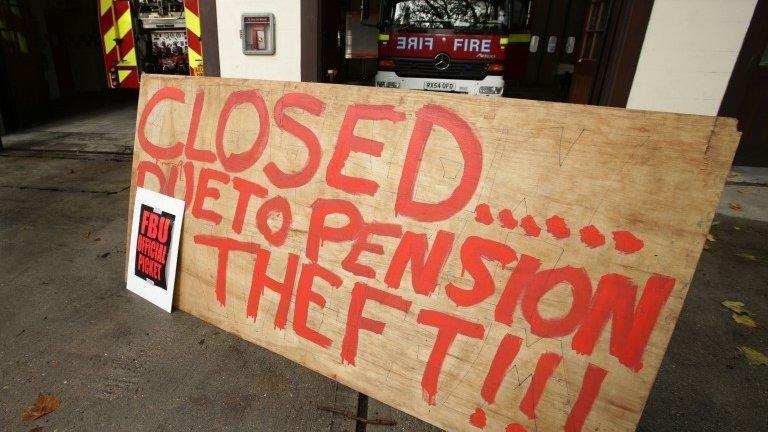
(560, 49)
(745, 97)
(578, 51)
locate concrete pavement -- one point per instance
(69, 328)
(100, 124)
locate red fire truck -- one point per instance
(446, 45)
(154, 36)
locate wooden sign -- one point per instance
(478, 263)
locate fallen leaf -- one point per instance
(744, 320)
(711, 238)
(734, 206)
(735, 306)
(36, 429)
(87, 235)
(44, 404)
(707, 246)
(104, 255)
(753, 356)
(97, 239)
(747, 256)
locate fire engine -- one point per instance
(152, 36)
(445, 45)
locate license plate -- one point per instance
(439, 86)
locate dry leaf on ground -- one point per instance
(734, 206)
(735, 306)
(44, 404)
(744, 320)
(711, 238)
(747, 256)
(740, 314)
(753, 356)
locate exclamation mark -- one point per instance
(545, 367)
(590, 387)
(505, 355)
(502, 360)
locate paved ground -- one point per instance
(102, 124)
(68, 327)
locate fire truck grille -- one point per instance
(425, 68)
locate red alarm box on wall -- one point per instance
(258, 33)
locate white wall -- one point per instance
(688, 54)
(284, 65)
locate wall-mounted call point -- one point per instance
(258, 33)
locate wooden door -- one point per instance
(332, 28)
(564, 24)
(592, 41)
(555, 28)
(547, 23)
(537, 24)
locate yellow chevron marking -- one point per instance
(520, 37)
(192, 21)
(117, 31)
(124, 23)
(195, 59)
(104, 6)
(109, 40)
(129, 59)
(122, 74)
(22, 43)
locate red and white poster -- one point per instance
(154, 246)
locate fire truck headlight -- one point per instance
(496, 68)
(490, 90)
(386, 64)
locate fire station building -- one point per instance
(707, 57)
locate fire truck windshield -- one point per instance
(452, 16)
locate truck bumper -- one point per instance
(489, 86)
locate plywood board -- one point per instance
(478, 263)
